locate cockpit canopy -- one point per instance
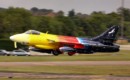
(33, 32)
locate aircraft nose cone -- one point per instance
(12, 38)
(21, 38)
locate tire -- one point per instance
(56, 52)
(71, 53)
(8, 54)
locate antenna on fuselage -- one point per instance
(48, 39)
(47, 32)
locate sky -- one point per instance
(83, 6)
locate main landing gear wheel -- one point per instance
(71, 53)
(56, 52)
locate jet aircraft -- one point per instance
(57, 44)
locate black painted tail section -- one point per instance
(108, 37)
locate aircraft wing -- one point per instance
(66, 41)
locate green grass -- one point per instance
(123, 55)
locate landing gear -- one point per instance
(71, 53)
(56, 52)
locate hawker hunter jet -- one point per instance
(57, 44)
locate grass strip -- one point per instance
(123, 55)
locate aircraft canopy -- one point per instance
(33, 32)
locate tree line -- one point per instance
(18, 20)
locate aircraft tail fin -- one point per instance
(107, 37)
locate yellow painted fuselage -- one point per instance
(44, 41)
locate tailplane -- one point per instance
(108, 37)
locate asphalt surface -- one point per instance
(62, 76)
(65, 63)
(36, 76)
(125, 47)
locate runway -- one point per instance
(46, 76)
(65, 63)
(125, 47)
(27, 75)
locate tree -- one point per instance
(16, 20)
(98, 21)
(44, 24)
(60, 13)
(71, 13)
(125, 12)
(34, 9)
